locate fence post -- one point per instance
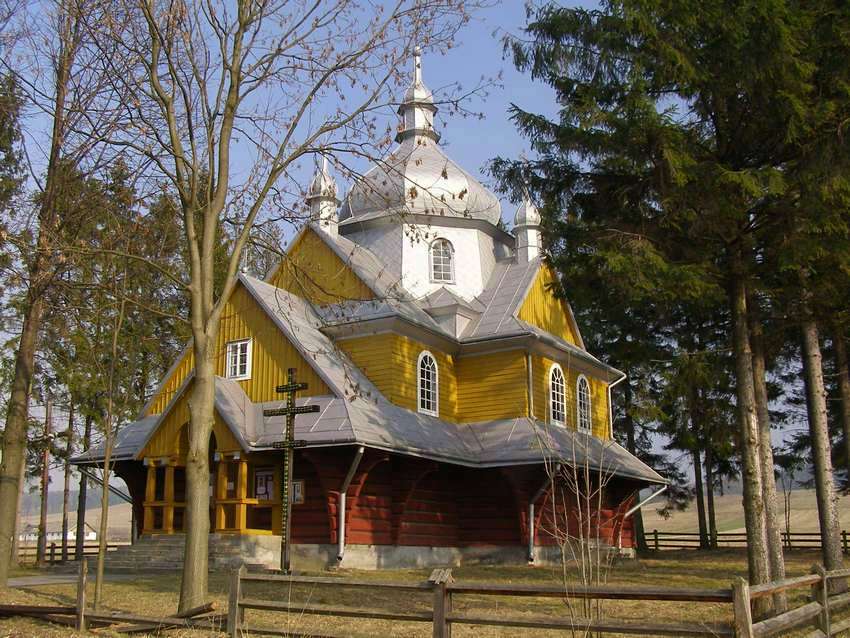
(81, 595)
(741, 607)
(234, 618)
(820, 593)
(655, 535)
(442, 602)
(52, 553)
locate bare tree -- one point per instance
(59, 74)
(225, 99)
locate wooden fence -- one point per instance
(53, 555)
(828, 595)
(817, 611)
(690, 540)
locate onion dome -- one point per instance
(323, 185)
(527, 213)
(418, 177)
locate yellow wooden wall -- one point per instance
(312, 270)
(389, 361)
(166, 441)
(542, 309)
(492, 386)
(272, 354)
(598, 395)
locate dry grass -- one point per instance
(156, 595)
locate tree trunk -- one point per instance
(66, 492)
(768, 476)
(81, 498)
(830, 526)
(15, 434)
(193, 590)
(758, 563)
(41, 549)
(41, 273)
(709, 492)
(703, 528)
(629, 426)
(844, 390)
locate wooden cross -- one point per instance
(288, 444)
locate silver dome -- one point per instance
(527, 213)
(418, 177)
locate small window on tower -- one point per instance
(442, 262)
(428, 385)
(557, 395)
(238, 360)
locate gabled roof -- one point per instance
(502, 299)
(442, 297)
(359, 414)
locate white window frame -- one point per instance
(579, 420)
(419, 407)
(232, 346)
(552, 369)
(433, 279)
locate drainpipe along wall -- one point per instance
(340, 552)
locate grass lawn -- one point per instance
(156, 595)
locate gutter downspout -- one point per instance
(531, 524)
(530, 385)
(635, 509)
(611, 406)
(340, 552)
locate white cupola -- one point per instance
(321, 197)
(527, 230)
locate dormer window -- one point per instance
(442, 262)
(238, 363)
(427, 384)
(557, 395)
(583, 405)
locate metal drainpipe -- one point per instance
(529, 385)
(635, 509)
(340, 552)
(531, 525)
(611, 406)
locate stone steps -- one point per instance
(164, 552)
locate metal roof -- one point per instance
(360, 414)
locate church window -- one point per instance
(239, 359)
(428, 384)
(442, 261)
(583, 394)
(557, 395)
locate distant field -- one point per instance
(730, 514)
(119, 520)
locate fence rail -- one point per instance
(444, 592)
(53, 553)
(829, 595)
(659, 541)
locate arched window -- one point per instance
(442, 261)
(428, 384)
(583, 404)
(557, 395)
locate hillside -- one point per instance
(730, 514)
(119, 513)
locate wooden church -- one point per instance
(450, 379)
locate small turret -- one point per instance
(417, 109)
(527, 230)
(321, 197)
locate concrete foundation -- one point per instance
(317, 557)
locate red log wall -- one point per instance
(398, 500)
